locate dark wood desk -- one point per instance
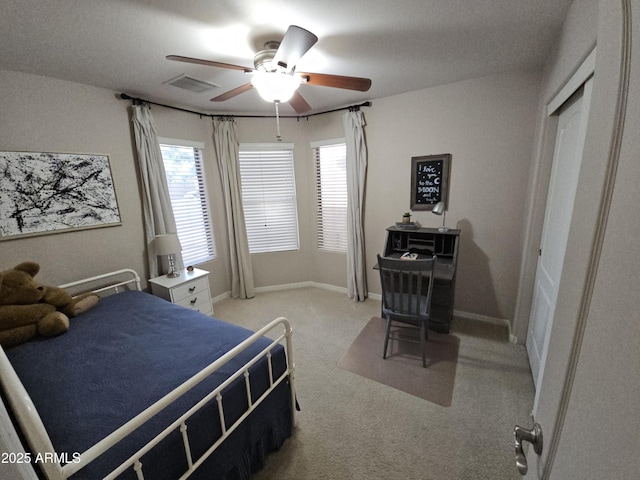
(427, 242)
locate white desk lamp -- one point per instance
(440, 210)
(168, 245)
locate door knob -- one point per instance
(534, 437)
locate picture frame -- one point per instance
(429, 181)
(44, 192)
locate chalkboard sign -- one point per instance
(429, 181)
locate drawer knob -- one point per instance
(191, 290)
(193, 302)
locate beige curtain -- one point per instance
(156, 202)
(354, 123)
(225, 142)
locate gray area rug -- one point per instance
(402, 368)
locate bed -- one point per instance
(142, 388)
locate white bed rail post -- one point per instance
(29, 419)
(291, 366)
(112, 285)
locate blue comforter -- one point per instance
(128, 352)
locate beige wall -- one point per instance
(602, 430)
(576, 42)
(486, 124)
(595, 323)
(600, 436)
(43, 114)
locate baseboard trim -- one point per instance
(480, 318)
(503, 322)
(286, 286)
(219, 298)
(371, 296)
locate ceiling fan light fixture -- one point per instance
(275, 74)
(275, 86)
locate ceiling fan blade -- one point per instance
(295, 43)
(232, 93)
(298, 103)
(337, 81)
(209, 63)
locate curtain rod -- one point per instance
(135, 100)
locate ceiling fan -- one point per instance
(274, 74)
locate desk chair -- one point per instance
(407, 286)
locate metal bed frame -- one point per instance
(39, 441)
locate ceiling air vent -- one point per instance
(192, 84)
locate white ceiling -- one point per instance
(401, 46)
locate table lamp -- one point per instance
(168, 244)
(440, 210)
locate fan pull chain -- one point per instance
(278, 136)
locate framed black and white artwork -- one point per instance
(42, 193)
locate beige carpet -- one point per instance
(402, 368)
(352, 427)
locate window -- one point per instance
(269, 197)
(187, 189)
(331, 179)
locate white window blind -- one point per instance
(187, 189)
(331, 180)
(269, 197)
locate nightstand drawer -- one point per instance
(200, 301)
(190, 289)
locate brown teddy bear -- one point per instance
(28, 308)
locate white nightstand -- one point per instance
(190, 289)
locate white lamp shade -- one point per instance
(275, 86)
(168, 244)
